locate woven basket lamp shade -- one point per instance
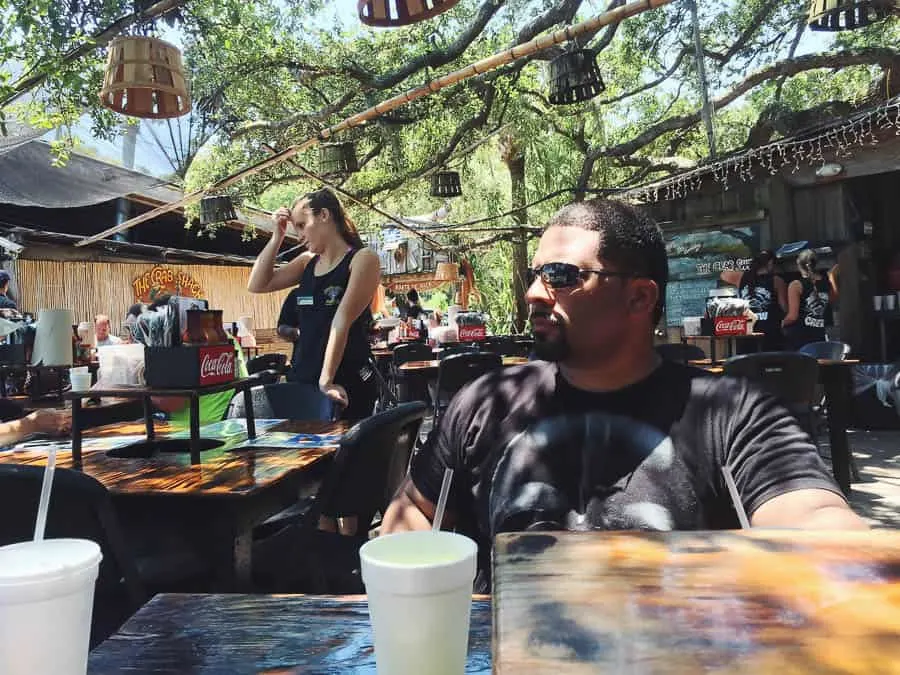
(446, 184)
(394, 13)
(574, 77)
(337, 159)
(447, 271)
(840, 15)
(218, 209)
(145, 78)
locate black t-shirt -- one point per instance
(529, 451)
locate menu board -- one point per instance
(696, 260)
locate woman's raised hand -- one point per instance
(281, 218)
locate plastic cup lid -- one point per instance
(33, 561)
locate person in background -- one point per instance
(809, 300)
(603, 434)
(767, 294)
(131, 318)
(101, 330)
(337, 278)
(414, 309)
(289, 325)
(5, 301)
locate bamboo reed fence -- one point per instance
(91, 288)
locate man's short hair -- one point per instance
(629, 239)
(101, 318)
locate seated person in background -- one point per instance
(5, 301)
(131, 318)
(16, 426)
(603, 434)
(101, 330)
(414, 310)
(212, 406)
(288, 325)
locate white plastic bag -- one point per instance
(120, 365)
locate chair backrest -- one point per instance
(370, 465)
(263, 362)
(80, 508)
(681, 353)
(284, 401)
(457, 370)
(412, 351)
(830, 351)
(458, 348)
(507, 345)
(790, 376)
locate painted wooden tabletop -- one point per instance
(755, 602)
(433, 365)
(258, 634)
(225, 471)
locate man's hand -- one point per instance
(50, 422)
(336, 393)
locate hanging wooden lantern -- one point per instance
(145, 78)
(394, 13)
(447, 271)
(337, 159)
(446, 184)
(840, 15)
(574, 77)
(219, 209)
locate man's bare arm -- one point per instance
(811, 509)
(410, 511)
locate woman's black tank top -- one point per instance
(814, 304)
(318, 298)
(760, 292)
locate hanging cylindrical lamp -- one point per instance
(218, 209)
(840, 15)
(575, 77)
(447, 271)
(337, 159)
(394, 13)
(446, 184)
(144, 78)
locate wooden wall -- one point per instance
(91, 288)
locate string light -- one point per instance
(857, 132)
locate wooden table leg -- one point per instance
(195, 428)
(712, 350)
(77, 422)
(838, 383)
(148, 418)
(249, 414)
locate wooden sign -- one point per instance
(161, 280)
(422, 281)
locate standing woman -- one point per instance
(338, 277)
(766, 293)
(809, 299)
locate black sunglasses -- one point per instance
(565, 275)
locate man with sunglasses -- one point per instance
(602, 434)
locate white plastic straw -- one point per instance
(735, 498)
(41, 524)
(442, 501)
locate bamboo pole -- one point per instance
(480, 67)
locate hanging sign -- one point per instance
(160, 280)
(422, 281)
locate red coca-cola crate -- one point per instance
(472, 333)
(189, 366)
(730, 325)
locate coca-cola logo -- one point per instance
(216, 366)
(731, 326)
(472, 333)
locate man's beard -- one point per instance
(555, 348)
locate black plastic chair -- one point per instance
(790, 376)
(459, 348)
(80, 508)
(409, 388)
(367, 470)
(456, 371)
(276, 362)
(284, 401)
(680, 353)
(827, 351)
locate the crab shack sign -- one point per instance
(159, 280)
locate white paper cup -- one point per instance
(46, 598)
(877, 300)
(420, 598)
(80, 381)
(889, 302)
